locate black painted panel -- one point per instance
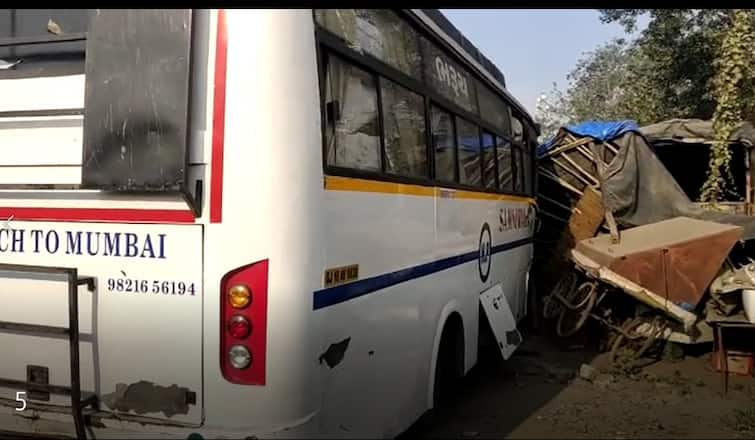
(137, 100)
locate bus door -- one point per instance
(100, 255)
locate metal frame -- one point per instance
(42, 39)
(73, 281)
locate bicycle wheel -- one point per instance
(551, 304)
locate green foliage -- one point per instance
(666, 72)
(732, 72)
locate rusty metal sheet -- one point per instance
(677, 258)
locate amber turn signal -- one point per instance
(239, 296)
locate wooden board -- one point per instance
(584, 222)
(587, 216)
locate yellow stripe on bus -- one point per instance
(339, 183)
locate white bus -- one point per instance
(238, 223)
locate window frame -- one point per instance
(48, 40)
(328, 42)
(456, 118)
(381, 127)
(455, 146)
(494, 152)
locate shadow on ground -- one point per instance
(540, 393)
(497, 396)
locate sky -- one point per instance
(534, 47)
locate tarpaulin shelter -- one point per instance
(683, 145)
(616, 158)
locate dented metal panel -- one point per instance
(676, 258)
(137, 100)
(501, 320)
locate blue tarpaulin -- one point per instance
(600, 130)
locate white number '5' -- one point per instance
(21, 397)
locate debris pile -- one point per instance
(622, 243)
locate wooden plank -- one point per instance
(554, 202)
(586, 218)
(589, 176)
(571, 171)
(560, 181)
(588, 215)
(611, 222)
(573, 143)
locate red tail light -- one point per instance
(243, 314)
(239, 327)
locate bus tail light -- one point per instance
(239, 327)
(239, 357)
(243, 315)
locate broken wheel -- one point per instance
(577, 306)
(632, 344)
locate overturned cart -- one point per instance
(613, 212)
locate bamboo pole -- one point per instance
(559, 204)
(576, 165)
(560, 181)
(571, 171)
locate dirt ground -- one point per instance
(538, 393)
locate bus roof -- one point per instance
(470, 53)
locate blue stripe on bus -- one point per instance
(338, 294)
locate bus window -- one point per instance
(443, 142)
(378, 32)
(517, 129)
(352, 136)
(518, 170)
(505, 165)
(404, 131)
(469, 153)
(47, 59)
(488, 160)
(493, 109)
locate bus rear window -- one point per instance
(42, 42)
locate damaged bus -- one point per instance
(247, 223)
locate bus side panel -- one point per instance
(514, 222)
(380, 379)
(381, 385)
(271, 209)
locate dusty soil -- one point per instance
(538, 393)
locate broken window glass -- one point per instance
(505, 168)
(443, 143)
(404, 125)
(469, 153)
(47, 59)
(352, 134)
(377, 32)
